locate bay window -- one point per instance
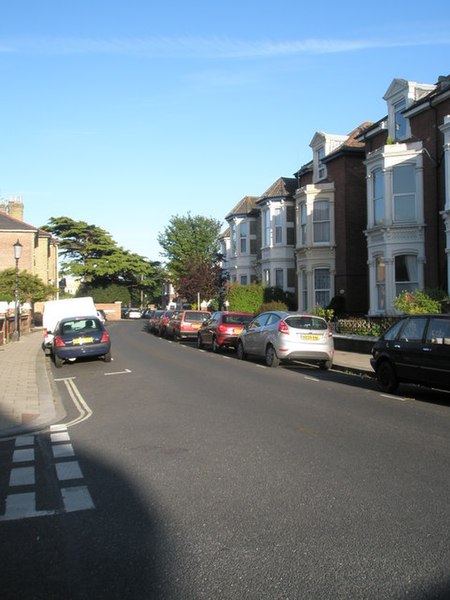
(404, 193)
(321, 221)
(322, 291)
(406, 274)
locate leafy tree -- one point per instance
(202, 278)
(31, 287)
(189, 239)
(90, 253)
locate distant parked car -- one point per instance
(153, 320)
(285, 336)
(133, 313)
(222, 329)
(162, 322)
(80, 337)
(416, 349)
(185, 324)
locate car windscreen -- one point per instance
(306, 322)
(237, 319)
(192, 316)
(80, 326)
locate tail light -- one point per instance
(282, 327)
(330, 332)
(59, 341)
(105, 338)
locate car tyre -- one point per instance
(272, 359)
(325, 365)
(215, 346)
(107, 357)
(386, 377)
(58, 361)
(199, 342)
(240, 352)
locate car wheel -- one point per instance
(215, 346)
(199, 342)
(58, 361)
(240, 352)
(107, 357)
(386, 377)
(272, 359)
(325, 365)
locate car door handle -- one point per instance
(427, 349)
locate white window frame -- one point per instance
(279, 278)
(278, 226)
(322, 294)
(411, 268)
(322, 223)
(303, 224)
(403, 197)
(378, 203)
(380, 282)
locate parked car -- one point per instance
(286, 336)
(134, 313)
(161, 324)
(185, 324)
(222, 329)
(416, 349)
(153, 320)
(80, 337)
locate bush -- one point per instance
(418, 302)
(274, 305)
(325, 313)
(275, 294)
(245, 298)
(108, 293)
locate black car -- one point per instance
(80, 337)
(416, 349)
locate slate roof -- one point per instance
(244, 207)
(282, 188)
(8, 223)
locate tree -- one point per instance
(31, 287)
(201, 278)
(90, 253)
(187, 240)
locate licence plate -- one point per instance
(310, 336)
(195, 325)
(237, 330)
(83, 340)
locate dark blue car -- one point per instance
(80, 337)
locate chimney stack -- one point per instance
(15, 208)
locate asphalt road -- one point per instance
(201, 476)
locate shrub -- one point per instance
(245, 298)
(413, 303)
(325, 313)
(274, 305)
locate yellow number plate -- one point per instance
(83, 340)
(310, 337)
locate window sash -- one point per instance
(321, 221)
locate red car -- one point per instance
(160, 326)
(184, 324)
(222, 329)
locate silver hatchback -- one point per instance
(287, 336)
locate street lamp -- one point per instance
(17, 254)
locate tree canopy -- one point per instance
(31, 287)
(90, 253)
(187, 240)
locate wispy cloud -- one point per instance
(210, 48)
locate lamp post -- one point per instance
(17, 254)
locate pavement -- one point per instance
(28, 398)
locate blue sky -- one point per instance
(123, 114)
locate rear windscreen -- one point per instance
(306, 323)
(237, 319)
(195, 316)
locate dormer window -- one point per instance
(321, 168)
(399, 119)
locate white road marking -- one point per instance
(119, 372)
(68, 470)
(22, 476)
(63, 450)
(309, 378)
(60, 436)
(81, 404)
(393, 397)
(23, 506)
(23, 455)
(24, 440)
(77, 498)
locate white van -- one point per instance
(55, 310)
